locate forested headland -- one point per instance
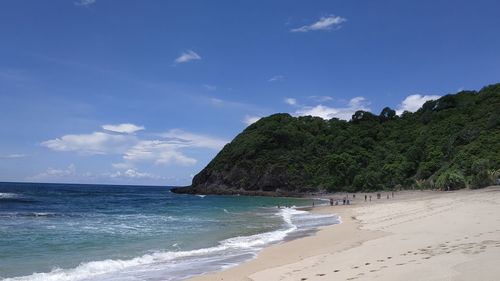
(449, 143)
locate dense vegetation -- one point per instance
(453, 142)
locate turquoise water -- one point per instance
(94, 232)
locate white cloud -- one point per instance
(216, 101)
(414, 102)
(324, 23)
(321, 98)
(290, 101)
(249, 120)
(70, 174)
(168, 149)
(13, 156)
(209, 87)
(95, 143)
(125, 128)
(327, 112)
(159, 152)
(85, 2)
(187, 139)
(189, 55)
(357, 101)
(134, 174)
(55, 174)
(276, 78)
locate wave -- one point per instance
(240, 246)
(8, 195)
(200, 195)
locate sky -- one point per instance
(148, 92)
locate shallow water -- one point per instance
(96, 232)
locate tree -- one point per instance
(450, 180)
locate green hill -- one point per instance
(451, 142)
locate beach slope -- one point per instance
(413, 236)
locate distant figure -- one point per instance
(393, 194)
(343, 201)
(365, 197)
(331, 201)
(387, 196)
(336, 202)
(378, 195)
(347, 202)
(353, 196)
(370, 198)
(313, 203)
(279, 207)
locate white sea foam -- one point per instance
(241, 245)
(8, 195)
(200, 195)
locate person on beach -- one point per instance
(393, 194)
(313, 203)
(370, 198)
(343, 201)
(331, 201)
(365, 197)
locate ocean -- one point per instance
(105, 232)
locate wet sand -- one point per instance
(421, 235)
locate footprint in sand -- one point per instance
(336, 270)
(400, 263)
(367, 263)
(389, 258)
(303, 279)
(320, 274)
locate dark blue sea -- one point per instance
(102, 232)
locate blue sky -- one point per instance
(147, 92)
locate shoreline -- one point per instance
(418, 235)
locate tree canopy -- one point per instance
(453, 141)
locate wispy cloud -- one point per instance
(328, 112)
(324, 23)
(158, 152)
(209, 87)
(187, 56)
(13, 156)
(276, 78)
(134, 174)
(188, 139)
(85, 2)
(414, 102)
(55, 174)
(249, 120)
(164, 148)
(320, 98)
(94, 143)
(70, 174)
(290, 101)
(125, 128)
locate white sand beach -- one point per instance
(418, 235)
